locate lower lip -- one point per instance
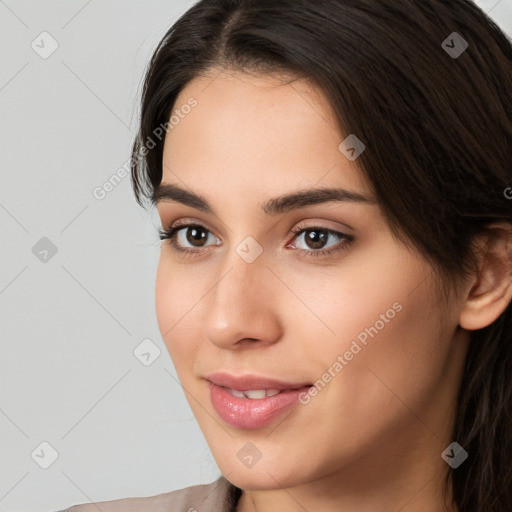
(251, 413)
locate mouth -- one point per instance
(253, 384)
(251, 402)
(256, 394)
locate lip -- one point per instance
(246, 382)
(247, 413)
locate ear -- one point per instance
(489, 291)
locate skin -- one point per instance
(373, 437)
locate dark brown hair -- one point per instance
(438, 136)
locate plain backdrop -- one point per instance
(83, 415)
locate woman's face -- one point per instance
(340, 305)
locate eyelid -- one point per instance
(318, 223)
(186, 222)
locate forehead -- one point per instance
(256, 133)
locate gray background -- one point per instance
(70, 321)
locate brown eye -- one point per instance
(316, 238)
(187, 238)
(195, 235)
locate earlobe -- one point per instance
(490, 290)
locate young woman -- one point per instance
(334, 182)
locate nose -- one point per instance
(242, 309)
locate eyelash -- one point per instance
(346, 240)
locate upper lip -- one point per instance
(248, 382)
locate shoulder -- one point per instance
(218, 496)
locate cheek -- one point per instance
(346, 301)
(175, 297)
(164, 298)
(414, 352)
(385, 322)
(399, 368)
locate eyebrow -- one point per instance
(277, 205)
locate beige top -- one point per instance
(218, 496)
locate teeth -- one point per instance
(254, 393)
